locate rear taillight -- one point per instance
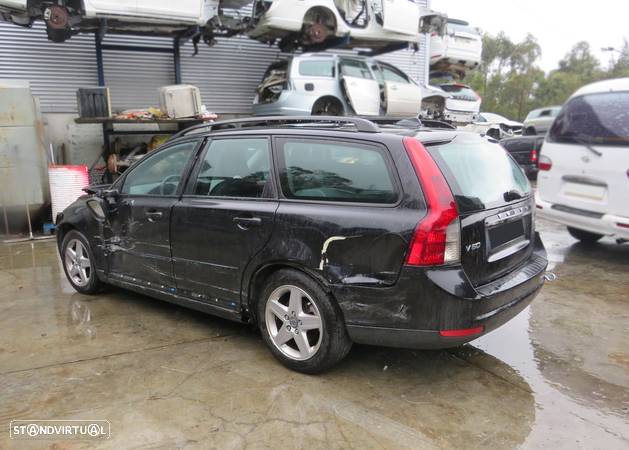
(533, 156)
(545, 163)
(437, 238)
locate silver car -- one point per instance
(330, 84)
(540, 120)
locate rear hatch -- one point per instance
(462, 98)
(495, 205)
(586, 155)
(463, 37)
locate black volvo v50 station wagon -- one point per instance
(323, 231)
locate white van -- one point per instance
(583, 179)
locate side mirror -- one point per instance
(110, 194)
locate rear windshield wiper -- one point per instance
(512, 195)
(586, 143)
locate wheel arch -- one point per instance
(62, 230)
(332, 98)
(255, 284)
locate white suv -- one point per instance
(584, 166)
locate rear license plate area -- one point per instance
(505, 233)
(584, 191)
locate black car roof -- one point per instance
(361, 128)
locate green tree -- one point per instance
(511, 83)
(620, 66)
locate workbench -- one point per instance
(109, 130)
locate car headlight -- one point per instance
(96, 208)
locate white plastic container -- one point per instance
(180, 101)
(66, 185)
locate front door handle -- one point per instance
(153, 215)
(247, 222)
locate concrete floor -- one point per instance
(165, 377)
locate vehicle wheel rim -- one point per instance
(78, 264)
(293, 322)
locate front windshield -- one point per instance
(601, 119)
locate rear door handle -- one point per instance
(153, 215)
(247, 222)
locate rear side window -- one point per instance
(356, 69)
(480, 173)
(234, 168)
(317, 68)
(601, 119)
(391, 74)
(335, 171)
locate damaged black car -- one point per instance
(321, 231)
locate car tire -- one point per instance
(310, 337)
(78, 263)
(584, 236)
(530, 132)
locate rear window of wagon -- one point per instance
(481, 174)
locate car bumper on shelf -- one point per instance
(460, 116)
(605, 224)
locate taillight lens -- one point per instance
(545, 163)
(533, 156)
(437, 238)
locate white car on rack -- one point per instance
(351, 23)
(583, 179)
(457, 50)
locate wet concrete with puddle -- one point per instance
(557, 376)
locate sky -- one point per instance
(557, 24)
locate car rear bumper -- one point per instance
(431, 339)
(605, 224)
(465, 57)
(428, 304)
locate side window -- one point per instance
(317, 68)
(394, 75)
(159, 174)
(235, 168)
(335, 171)
(356, 69)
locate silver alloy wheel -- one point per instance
(78, 264)
(293, 322)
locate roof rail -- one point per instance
(411, 122)
(362, 125)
